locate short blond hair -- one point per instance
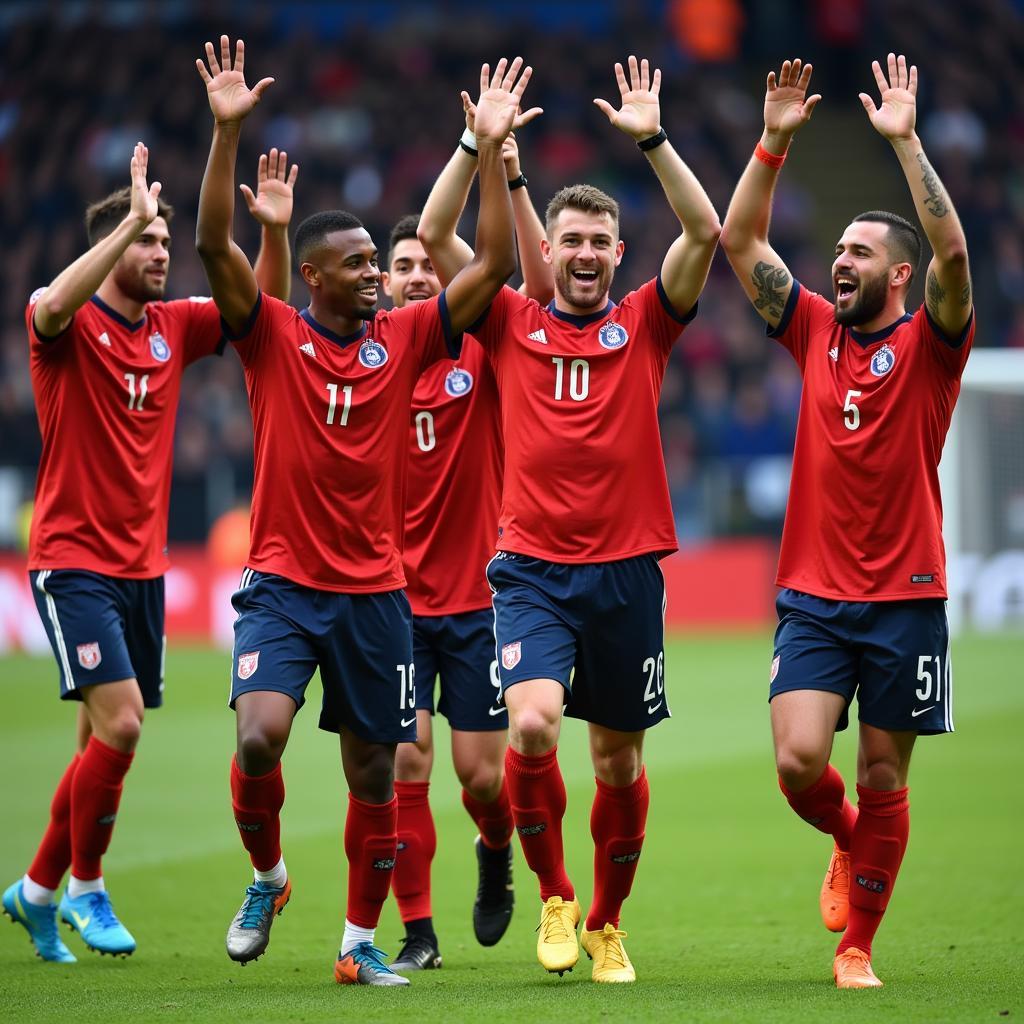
(584, 198)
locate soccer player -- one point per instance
(454, 490)
(330, 389)
(585, 516)
(862, 563)
(107, 356)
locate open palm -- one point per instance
(231, 100)
(786, 103)
(640, 112)
(272, 203)
(896, 117)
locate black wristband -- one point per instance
(468, 149)
(646, 145)
(515, 183)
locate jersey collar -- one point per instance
(339, 339)
(115, 316)
(580, 321)
(869, 339)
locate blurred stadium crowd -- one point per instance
(367, 100)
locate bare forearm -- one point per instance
(217, 194)
(495, 232)
(686, 196)
(750, 211)
(77, 283)
(931, 200)
(274, 263)
(538, 279)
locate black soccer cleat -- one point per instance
(492, 910)
(418, 953)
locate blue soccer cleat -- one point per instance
(40, 923)
(92, 916)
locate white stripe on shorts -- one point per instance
(51, 611)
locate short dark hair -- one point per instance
(314, 230)
(902, 238)
(404, 229)
(585, 198)
(103, 216)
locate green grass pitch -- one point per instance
(723, 920)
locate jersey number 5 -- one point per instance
(851, 414)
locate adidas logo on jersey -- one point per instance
(538, 336)
(308, 349)
(834, 353)
(104, 339)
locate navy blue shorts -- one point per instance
(103, 629)
(597, 628)
(362, 644)
(894, 655)
(459, 649)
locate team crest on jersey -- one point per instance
(159, 348)
(883, 361)
(612, 335)
(89, 655)
(247, 664)
(458, 382)
(372, 354)
(511, 654)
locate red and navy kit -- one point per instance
(106, 394)
(584, 473)
(864, 519)
(453, 485)
(330, 417)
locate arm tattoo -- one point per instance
(965, 295)
(770, 283)
(936, 203)
(935, 294)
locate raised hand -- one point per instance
(786, 104)
(640, 113)
(897, 115)
(143, 205)
(231, 100)
(275, 184)
(497, 111)
(522, 116)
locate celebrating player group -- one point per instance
(460, 505)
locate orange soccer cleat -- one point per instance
(835, 892)
(852, 969)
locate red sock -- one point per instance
(617, 822)
(493, 820)
(371, 843)
(95, 795)
(537, 795)
(824, 805)
(417, 843)
(54, 854)
(879, 842)
(257, 801)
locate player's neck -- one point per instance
(116, 299)
(340, 325)
(892, 312)
(563, 305)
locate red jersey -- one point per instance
(330, 423)
(584, 472)
(864, 519)
(454, 485)
(106, 394)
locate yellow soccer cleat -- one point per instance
(557, 948)
(835, 892)
(852, 969)
(611, 962)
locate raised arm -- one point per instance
(232, 281)
(764, 277)
(77, 283)
(440, 217)
(272, 207)
(494, 260)
(948, 281)
(686, 264)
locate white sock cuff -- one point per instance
(36, 894)
(79, 887)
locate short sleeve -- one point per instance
(427, 329)
(267, 316)
(662, 320)
(950, 353)
(201, 325)
(805, 313)
(34, 337)
(490, 328)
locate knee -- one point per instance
(481, 781)
(799, 767)
(617, 767)
(533, 730)
(884, 775)
(122, 730)
(372, 778)
(260, 747)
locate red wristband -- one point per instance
(771, 159)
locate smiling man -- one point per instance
(862, 563)
(330, 389)
(585, 516)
